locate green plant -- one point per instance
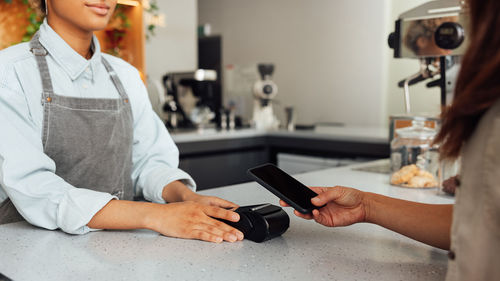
(116, 30)
(34, 21)
(154, 11)
(121, 16)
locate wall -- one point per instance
(174, 48)
(329, 55)
(332, 59)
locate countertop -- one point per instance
(307, 251)
(349, 133)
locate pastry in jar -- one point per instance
(404, 174)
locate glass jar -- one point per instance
(414, 159)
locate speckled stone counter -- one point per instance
(307, 251)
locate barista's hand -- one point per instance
(211, 201)
(344, 206)
(194, 220)
(178, 192)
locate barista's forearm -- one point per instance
(426, 223)
(122, 214)
(177, 191)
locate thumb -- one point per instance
(332, 194)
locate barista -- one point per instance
(80, 139)
(471, 129)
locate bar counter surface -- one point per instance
(307, 251)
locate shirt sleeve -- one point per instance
(27, 174)
(155, 156)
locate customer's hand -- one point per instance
(343, 206)
(194, 220)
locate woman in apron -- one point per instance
(80, 139)
(470, 229)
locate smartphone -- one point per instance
(285, 187)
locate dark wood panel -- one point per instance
(328, 148)
(224, 162)
(215, 170)
(191, 149)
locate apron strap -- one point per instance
(40, 55)
(115, 79)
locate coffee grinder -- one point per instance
(264, 91)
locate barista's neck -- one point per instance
(77, 38)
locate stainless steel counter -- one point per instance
(307, 251)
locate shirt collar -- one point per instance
(69, 60)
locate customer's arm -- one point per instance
(427, 223)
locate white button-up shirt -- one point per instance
(27, 174)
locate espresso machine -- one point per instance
(191, 99)
(264, 92)
(435, 34)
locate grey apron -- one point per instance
(90, 140)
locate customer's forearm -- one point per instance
(426, 223)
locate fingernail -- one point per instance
(240, 235)
(232, 238)
(235, 217)
(218, 239)
(315, 199)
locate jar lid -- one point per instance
(417, 130)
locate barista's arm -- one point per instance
(155, 156)
(191, 220)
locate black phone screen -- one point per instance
(286, 185)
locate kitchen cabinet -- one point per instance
(216, 159)
(226, 168)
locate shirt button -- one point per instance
(87, 70)
(451, 255)
(85, 86)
